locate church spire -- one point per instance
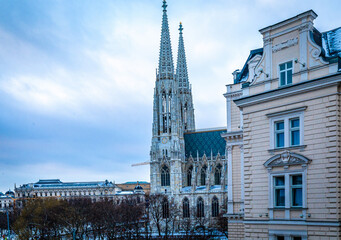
(166, 66)
(181, 68)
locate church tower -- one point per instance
(185, 91)
(173, 114)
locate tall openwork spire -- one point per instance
(166, 66)
(181, 68)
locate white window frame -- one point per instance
(288, 234)
(295, 187)
(287, 186)
(278, 187)
(287, 136)
(279, 73)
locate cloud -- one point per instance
(77, 77)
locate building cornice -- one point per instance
(293, 222)
(234, 94)
(290, 90)
(288, 21)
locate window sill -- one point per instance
(291, 208)
(274, 150)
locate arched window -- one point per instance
(203, 176)
(165, 208)
(200, 208)
(217, 175)
(164, 104)
(185, 116)
(185, 208)
(215, 207)
(189, 176)
(165, 179)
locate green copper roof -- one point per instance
(204, 142)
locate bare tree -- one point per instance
(155, 210)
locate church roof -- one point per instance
(204, 142)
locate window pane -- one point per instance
(289, 77)
(280, 197)
(279, 181)
(282, 78)
(297, 197)
(295, 137)
(297, 180)
(280, 140)
(280, 237)
(297, 238)
(289, 64)
(282, 67)
(295, 123)
(279, 125)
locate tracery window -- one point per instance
(215, 207)
(185, 208)
(189, 176)
(203, 175)
(165, 178)
(217, 175)
(165, 208)
(200, 208)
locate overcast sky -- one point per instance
(77, 77)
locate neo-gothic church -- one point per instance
(187, 164)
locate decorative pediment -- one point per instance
(286, 158)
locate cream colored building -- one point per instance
(96, 191)
(283, 135)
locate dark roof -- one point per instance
(245, 71)
(138, 187)
(331, 42)
(48, 181)
(9, 192)
(204, 142)
(141, 182)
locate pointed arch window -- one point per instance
(217, 175)
(185, 116)
(164, 104)
(200, 208)
(165, 178)
(203, 175)
(165, 208)
(189, 176)
(185, 208)
(215, 207)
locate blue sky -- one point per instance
(77, 77)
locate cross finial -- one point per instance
(180, 27)
(164, 5)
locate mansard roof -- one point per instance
(204, 142)
(245, 71)
(331, 42)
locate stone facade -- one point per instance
(188, 165)
(286, 171)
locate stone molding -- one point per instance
(286, 44)
(286, 158)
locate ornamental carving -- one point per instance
(286, 158)
(285, 44)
